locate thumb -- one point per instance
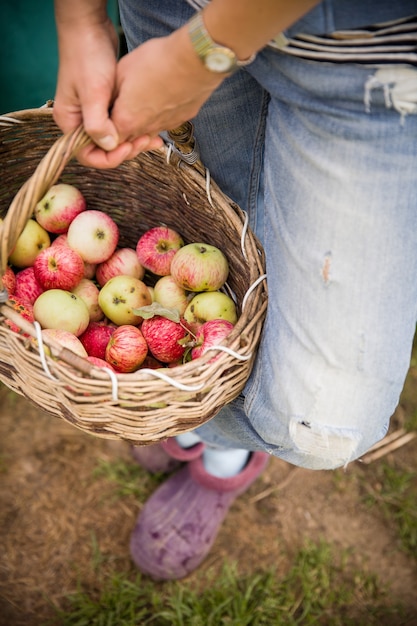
(100, 127)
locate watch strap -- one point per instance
(203, 43)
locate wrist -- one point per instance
(215, 56)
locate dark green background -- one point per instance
(28, 52)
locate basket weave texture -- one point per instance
(157, 187)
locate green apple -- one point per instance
(200, 267)
(210, 305)
(32, 240)
(57, 308)
(120, 296)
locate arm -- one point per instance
(88, 83)
(85, 92)
(244, 26)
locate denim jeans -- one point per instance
(323, 157)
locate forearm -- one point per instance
(79, 13)
(246, 26)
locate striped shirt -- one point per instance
(385, 43)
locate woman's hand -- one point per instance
(86, 90)
(160, 85)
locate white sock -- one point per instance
(224, 463)
(187, 440)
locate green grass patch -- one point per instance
(396, 495)
(315, 590)
(128, 479)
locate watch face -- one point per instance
(220, 60)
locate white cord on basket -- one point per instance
(114, 383)
(171, 381)
(243, 236)
(237, 356)
(41, 347)
(169, 152)
(251, 288)
(208, 192)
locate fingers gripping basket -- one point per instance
(157, 187)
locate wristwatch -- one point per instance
(216, 58)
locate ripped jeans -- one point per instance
(323, 157)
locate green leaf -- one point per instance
(158, 309)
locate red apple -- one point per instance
(200, 267)
(94, 235)
(100, 363)
(89, 268)
(126, 349)
(59, 206)
(123, 261)
(120, 296)
(88, 291)
(163, 337)
(58, 308)
(58, 267)
(96, 337)
(169, 293)
(156, 249)
(9, 280)
(28, 287)
(31, 241)
(211, 334)
(65, 339)
(60, 240)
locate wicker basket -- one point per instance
(157, 187)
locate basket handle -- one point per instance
(48, 172)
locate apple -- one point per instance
(58, 267)
(9, 280)
(210, 334)
(151, 363)
(58, 308)
(151, 292)
(88, 291)
(94, 235)
(123, 261)
(164, 338)
(28, 287)
(126, 349)
(59, 206)
(100, 363)
(24, 309)
(207, 306)
(156, 249)
(200, 267)
(120, 295)
(169, 293)
(65, 339)
(96, 337)
(31, 241)
(89, 268)
(60, 240)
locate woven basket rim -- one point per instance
(194, 377)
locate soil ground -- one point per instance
(53, 511)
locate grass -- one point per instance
(315, 590)
(395, 494)
(128, 479)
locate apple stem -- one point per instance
(188, 330)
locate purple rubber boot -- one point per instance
(179, 523)
(166, 456)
